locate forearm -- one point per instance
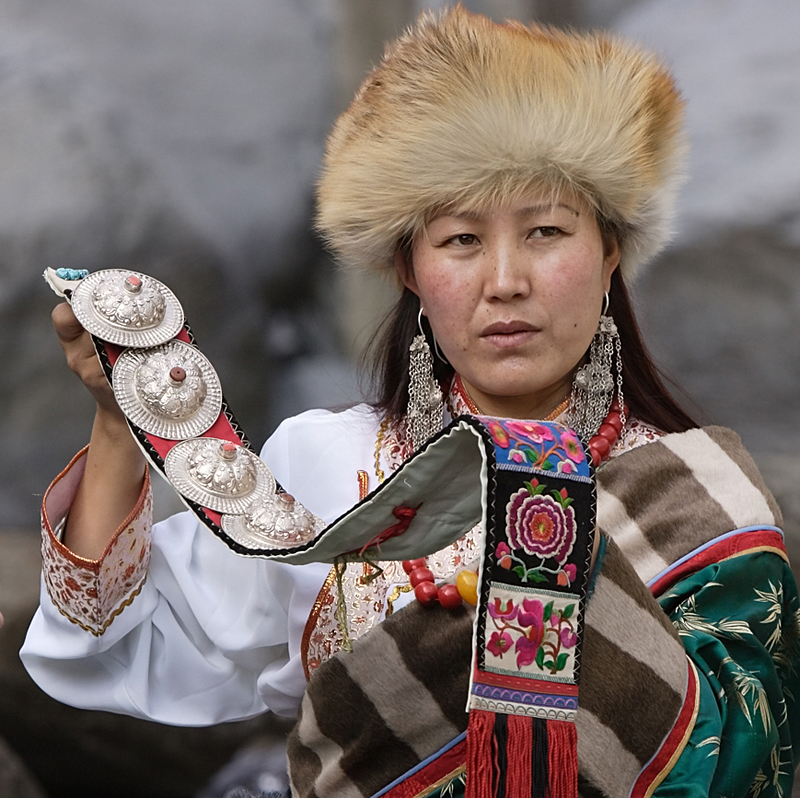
(110, 488)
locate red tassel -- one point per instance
(520, 749)
(480, 755)
(562, 759)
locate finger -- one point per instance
(67, 327)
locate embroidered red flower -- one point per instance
(499, 643)
(572, 446)
(504, 610)
(540, 526)
(499, 435)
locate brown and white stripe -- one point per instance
(661, 501)
(371, 715)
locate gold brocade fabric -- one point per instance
(368, 602)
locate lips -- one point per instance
(509, 328)
(509, 333)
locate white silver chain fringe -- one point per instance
(425, 401)
(595, 382)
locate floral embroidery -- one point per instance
(537, 433)
(543, 527)
(572, 446)
(542, 628)
(499, 435)
(91, 593)
(499, 643)
(534, 445)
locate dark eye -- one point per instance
(544, 232)
(465, 239)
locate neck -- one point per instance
(520, 407)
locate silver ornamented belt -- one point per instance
(172, 399)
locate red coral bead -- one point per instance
(608, 432)
(420, 575)
(613, 420)
(449, 597)
(596, 459)
(410, 565)
(427, 593)
(602, 446)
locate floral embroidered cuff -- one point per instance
(91, 593)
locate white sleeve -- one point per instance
(208, 636)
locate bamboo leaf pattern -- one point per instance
(743, 686)
(712, 741)
(690, 621)
(786, 648)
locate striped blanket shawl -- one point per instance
(392, 712)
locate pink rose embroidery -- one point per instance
(541, 526)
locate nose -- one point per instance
(508, 272)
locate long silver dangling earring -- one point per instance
(595, 382)
(425, 401)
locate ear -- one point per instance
(610, 262)
(405, 271)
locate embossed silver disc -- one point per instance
(171, 390)
(127, 308)
(218, 474)
(276, 522)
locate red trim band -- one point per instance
(427, 779)
(664, 760)
(733, 546)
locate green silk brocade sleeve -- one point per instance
(739, 620)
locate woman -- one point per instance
(514, 179)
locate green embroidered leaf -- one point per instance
(529, 453)
(548, 664)
(568, 610)
(561, 661)
(519, 570)
(540, 658)
(547, 465)
(534, 491)
(548, 611)
(536, 576)
(566, 503)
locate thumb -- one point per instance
(67, 327)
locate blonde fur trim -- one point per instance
(464, 113)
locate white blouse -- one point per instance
(212, 636)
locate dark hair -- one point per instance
(645, 393)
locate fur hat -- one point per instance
(464, 113)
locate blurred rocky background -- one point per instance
(183, 138)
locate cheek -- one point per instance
(444, 295)
(575, 296)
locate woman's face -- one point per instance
(513, 296)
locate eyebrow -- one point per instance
(533, 209)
